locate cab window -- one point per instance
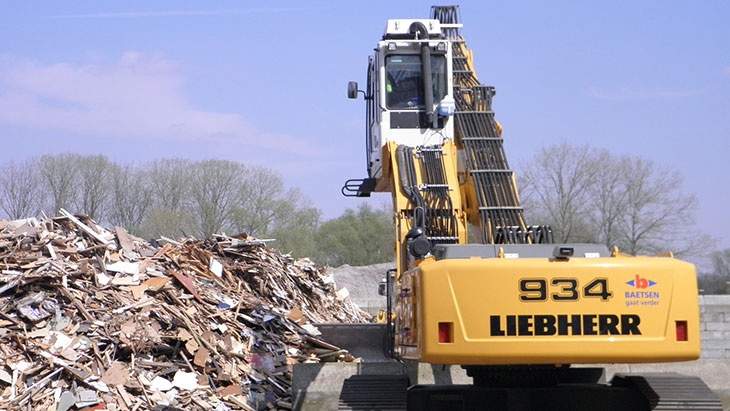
(404, 80)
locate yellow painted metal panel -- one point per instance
(535, 310)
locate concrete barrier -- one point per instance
(715, 326)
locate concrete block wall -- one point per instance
(715, 326)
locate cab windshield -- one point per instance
(404, 80)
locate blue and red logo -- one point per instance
(641, 283)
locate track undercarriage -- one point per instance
(381, 383)
(563, 389)
(576, 391)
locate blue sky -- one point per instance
(266, 84)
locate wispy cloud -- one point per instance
(641, 94)
(726, 71)
(138, 96)
(172, 13)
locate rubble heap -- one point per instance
(92, 318)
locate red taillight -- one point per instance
(445, 332)
(681, 330)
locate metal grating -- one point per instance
(374, 392)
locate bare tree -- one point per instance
(20, 188)
(94, 176)
(621, 201)
(555, 187)
(207, 197)
(608, 196)
(170, 182)
(170, 211)
(263, 198)
(131, 198)
(60, 178)
(721, 263)
(167, 197)
(169, 223)
(717, 280)
(215, 190)
(656, 214)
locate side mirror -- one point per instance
(352, 89)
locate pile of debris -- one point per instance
(97, 319)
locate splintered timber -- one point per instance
(564, 324)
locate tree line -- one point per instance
(585, 194)
(177, 198)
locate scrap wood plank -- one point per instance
(124, 240)
(85, 228)
(187, 283)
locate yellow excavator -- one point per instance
(474, 285)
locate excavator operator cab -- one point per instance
(408, 95)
